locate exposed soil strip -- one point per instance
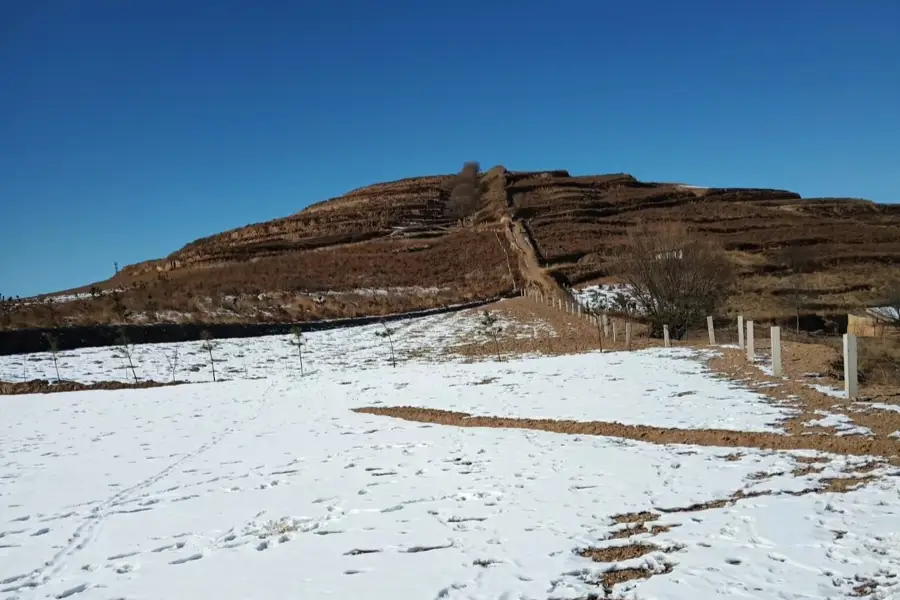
(848, 445)
(40, 386)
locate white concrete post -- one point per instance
(628, 334)
(776, 351)
(751, 349)
(850, 365)
(712, 331)
(666, 341)
(741, 331)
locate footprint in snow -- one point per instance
(187, 559)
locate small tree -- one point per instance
(465, 192)
(299, 341)
(672, 276)
(209, 344)
(388, 334)
(493, 329)
(126, 350)
(173, 361)
(797, 260)
(53, 344)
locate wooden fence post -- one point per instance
(614, 330)
(628, 334)
(751, 348)
(776, 351)
(605, 320)
(850, 366)
(741, 331)
(666, 341)
(712, 331)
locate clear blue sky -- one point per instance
(129, 128)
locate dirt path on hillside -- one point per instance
(528, 262)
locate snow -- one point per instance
(273, 487)
(886, 312)
(879, 406)
(256, 356)
(608, 292)
(828, 390)
(842, 423)
(613, 386)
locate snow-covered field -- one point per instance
(271, 487)
(256, 357)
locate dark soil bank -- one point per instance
(23, 341)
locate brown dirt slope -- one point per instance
(535, 228)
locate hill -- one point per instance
(389, 248)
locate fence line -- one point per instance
(741, 330)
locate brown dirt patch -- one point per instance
(618, 553)
(559, 333)
(634, 530)
(807, 470)
(849, 445)
(840, 485)
(610, 579)
(40, 386)
(636, 517)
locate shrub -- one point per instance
(673, 277)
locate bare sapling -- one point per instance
(388, 334)
(797, 260)
(299, 341)
(675, 277)
(209, 344)
(173, 361)
(53, 344)
(493, 329)
(126, 351)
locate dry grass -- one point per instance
(462, 266)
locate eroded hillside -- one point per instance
(389, 248)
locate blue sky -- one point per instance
(128, 129)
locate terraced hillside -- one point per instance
(852, 247)
(389, 248)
